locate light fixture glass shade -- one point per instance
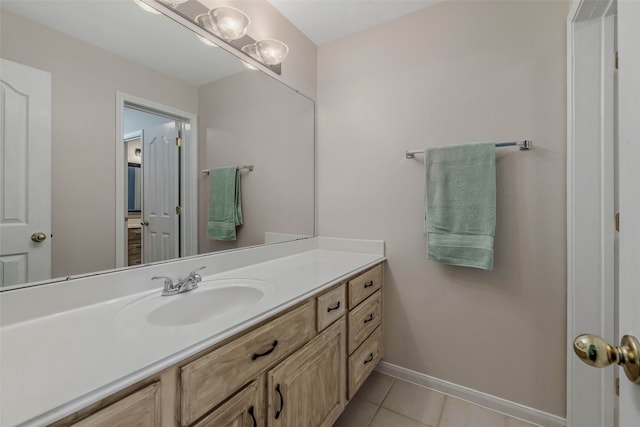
(252, 51)
(272, 52)
(268, 52)
(229, 23)
(204, 21)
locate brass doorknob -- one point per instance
(595, 351)
(39, 237)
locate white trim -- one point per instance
(489, 401)
(590, 305)
(189, 168)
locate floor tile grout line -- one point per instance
(444, 402)
(379, 405)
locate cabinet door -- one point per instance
(242, 410)
(141, 408)
(308, 388)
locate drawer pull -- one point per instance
(279, 411)
(368, 284)
(369, 318)
(369, 358)
(253, 417)
(273, 347)
(333, 307)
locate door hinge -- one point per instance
(618, 221)
(618, 386)
(617, 60)
(178, 142)
(178, 210)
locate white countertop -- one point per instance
(53, 365)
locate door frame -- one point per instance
(590, 205)
(188, 171)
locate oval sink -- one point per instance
(195, 307)
(212, 299)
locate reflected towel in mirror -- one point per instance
(225, 207)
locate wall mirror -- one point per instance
(110, 64)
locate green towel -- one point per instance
(225, 208)
(460, 198)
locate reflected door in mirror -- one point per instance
(25, 174)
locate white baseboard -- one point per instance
(507, 407)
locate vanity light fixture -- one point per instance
(268, 52)
(229, 24)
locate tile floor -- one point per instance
(384, 401)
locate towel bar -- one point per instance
(247, 167)
(525, 145)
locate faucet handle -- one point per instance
(195, 275)
(168, 282)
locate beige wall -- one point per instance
(250, 118)
(84, 84)
(457, 72)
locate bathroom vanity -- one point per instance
(281, 335)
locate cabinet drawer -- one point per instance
(362, 362)
(360, 287)
(363, 320)
(141, 408)
(209, 380)
(331, 306)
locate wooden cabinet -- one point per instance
(210, 379)
(308, 389)
(141, 409)
(363, 320)
(365, 347)
(363, 360)
(331, 306)
(363, 285)
(296, 369)
(244, 409)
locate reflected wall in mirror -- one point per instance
(243, 117)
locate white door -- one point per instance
(25, 174)
(160, 185)
(629, 190)
(603, 288)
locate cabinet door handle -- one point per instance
(368, 284)
(333, 307)
(369, 358)
(273, 347)
(279, 411)
(369, 318)
(253, 417)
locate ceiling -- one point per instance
(327, 20)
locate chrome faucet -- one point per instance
(186, 284)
